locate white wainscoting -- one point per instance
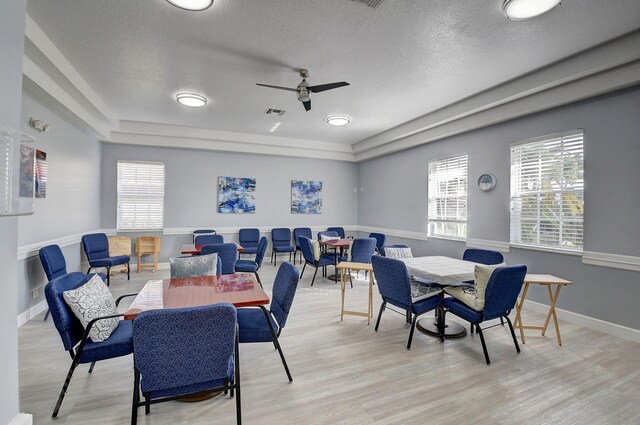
(624, 262)
(27, 251)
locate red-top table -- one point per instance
(241, 290)
(195, 249)
(336, 243)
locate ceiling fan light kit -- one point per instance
(519, 10)
(192, 5)
(304, 90)
(191, 99)
(338, 120)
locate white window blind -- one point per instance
(448, 197)
(140, 195)
(547, 191)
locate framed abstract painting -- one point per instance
(306, 197)
(236, 195)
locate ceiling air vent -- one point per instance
(273, 111)
(370, 3)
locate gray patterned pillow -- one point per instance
(91, 300)
(398, 253)
(198, 265)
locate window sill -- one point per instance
(573, 252)
(447, 238)
(139, 230)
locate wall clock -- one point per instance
(487, 182)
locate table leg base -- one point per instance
(451, 330)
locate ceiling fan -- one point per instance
(304, 89)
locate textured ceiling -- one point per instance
(404, 59)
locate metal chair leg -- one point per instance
(513, 334)
(305, 265)
(136, 396)
(501, 321)
(147, 404)
(91, 367)
(484, 345)
(382, 307)
(258, 279)
(314, 276)
(128, 272)
(276, 343)
(441, 322)
(108, 275)
(46, 315)
(63, 391)
(413, 328)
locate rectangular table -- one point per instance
(241, 290)
(192, 249)
(548, 281)
(344, 267)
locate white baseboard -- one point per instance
(24, 317)
(22, 419)
(620, 331)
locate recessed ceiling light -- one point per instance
(519, 10)
(338, 120)
(191, 99)
(193, 5)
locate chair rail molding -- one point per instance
(624, 262)
(31, 250)
(407, 234)
(489, 244)
(234, 229)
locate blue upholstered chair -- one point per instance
(251, 266)
(381, 239)
(392, 246)
(75, 338)
(227, 252)
(249, 239)
(325, 259)
(202, 232)
(208, 239)
(260, 325)
(362, 250)
(96, 246)
(483, 256)
(501, 293)
(280, 242)
(185, 351)
(300, 231)
(53, 263)
(394, 284)
(339, 230)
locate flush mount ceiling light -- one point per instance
(193, 5)
(191, 99)
(338, 120)
(519, 10)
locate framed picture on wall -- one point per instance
(236, 195)
(306, 197)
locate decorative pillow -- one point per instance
(474, 296)
(325, 238)
(349, 249)
(419, 291)
(316, 249)
(398, 253)
(91, 300)
(198, 265)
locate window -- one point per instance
(140, 195)
(448, 197)
(547, 191)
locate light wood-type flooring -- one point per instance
(345, 373)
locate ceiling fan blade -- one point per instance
(325, 87)
(307, 105)
(277, 87)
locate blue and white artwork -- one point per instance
(236, 195)
(306, 197)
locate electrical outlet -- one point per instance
(361, 188)
(355, 190)
(36, 293)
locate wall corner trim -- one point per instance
(408, 234)
(22, 419)
(489, 244)
(624, 262)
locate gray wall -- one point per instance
(395, 197)
(191, 189)
(72, 204)
(12, 16)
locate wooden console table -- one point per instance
(548, 281)
(343, 268)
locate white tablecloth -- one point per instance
(443, 270)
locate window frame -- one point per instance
(431, 199)
(120, 202)
(576, 250)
